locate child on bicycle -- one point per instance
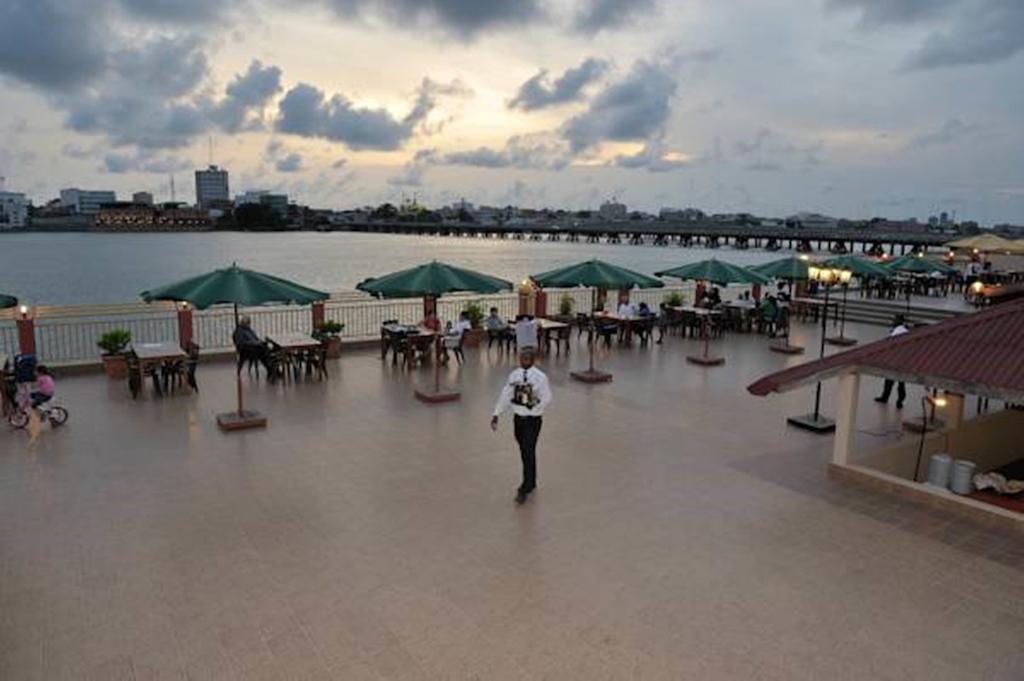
(45, 387)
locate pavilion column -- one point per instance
(540, 304)
(317, 311)
(846, 417)
(185, 329)
(26, 333)
(953, 412)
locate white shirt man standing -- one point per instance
(528, 394)
(899, 327)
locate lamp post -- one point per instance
(827, 277)
(935, 402)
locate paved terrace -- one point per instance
(680, 531)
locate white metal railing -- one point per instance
(69, 334)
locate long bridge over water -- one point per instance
(661, 233)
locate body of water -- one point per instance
(76, 268)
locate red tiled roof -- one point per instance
(977, 354)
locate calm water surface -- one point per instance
(68, 269)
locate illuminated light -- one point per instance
(805, 257)
(24, 311)
(940, 401)
(977, 287)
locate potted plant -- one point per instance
(113, 344)
(329, 333)
(475, 312)
(565, 307)
(674, 299)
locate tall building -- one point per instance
(277, 202)
(612, 210)
(13, 211)
(86, 201)
(142, 198)
(212, 187)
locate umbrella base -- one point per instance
(438, 397)
(706, 360)
(822, 424)
(844, 341)
(786, 348)
(234, 420)
(592, 376)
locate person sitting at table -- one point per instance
(430, 321)
(526, 332)
(712, 298)
(497, 328)
(766, 320)
(626, 309)
(453, 337)
(251, 348)
(644, 310)
(662, 321)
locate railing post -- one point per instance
(26, 332)
(185, 328)
(317, 310)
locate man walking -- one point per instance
(528, 394)
(899, 327)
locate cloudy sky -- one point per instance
(850, 107)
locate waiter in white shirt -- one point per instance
(528, 394)
(899, 327)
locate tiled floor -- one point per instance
(681, 531)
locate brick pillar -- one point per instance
(185, 333)
(429, 306)
(698, 293)
(755, 292)
(540, 303)
(317, 310)
(26, 335)
(602, 296)
(527, 302)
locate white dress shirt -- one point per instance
(899, 330)
(627, 310)
(535, 379)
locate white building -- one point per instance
(86, 201)
(612, 210)
(211, 187)
(13, 211)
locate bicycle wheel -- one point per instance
(18, 418)
(58, 416)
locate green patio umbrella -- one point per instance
(793, 268)
(235, 286)
(431, 281)
(859, 266)
(917, 264)
(716, 272)
(7, 301)
(596, 274)
(600, 276)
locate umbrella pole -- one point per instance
(437, 365)
(238, 370)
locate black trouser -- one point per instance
(901, 391)
(527, 429)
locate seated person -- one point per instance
(626, 309)
(769, 311)
(430, 321)
(250, 346)
(497, 328)
(644, 310)
(526, 332)
(712, 298)
(45, 387)
(453, 333)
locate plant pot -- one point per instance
(473, 338)
(116, 367)
(333, 346)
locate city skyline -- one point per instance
(846, 107)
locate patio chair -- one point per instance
(134, 377)
(183, 371)
(645, 330)
(316, 362)
(605, 330)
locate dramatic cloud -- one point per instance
(413, 171)
(637, 107)
(464, 18)
(655, 158)
(598, 15)
(147, 67)
(177, 11)
(249, 92)
(305, 111)
(987, 33)
(289, 164)
(539, 91)
(878, 12)
(538, 151)
(50, 43)
(950, 131)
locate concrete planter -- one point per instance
(333, 346)
(116, 367)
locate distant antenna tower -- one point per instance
(2, 180)
(210, 140)
(172, 189)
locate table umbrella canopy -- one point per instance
(433, 279)
(235, 285)
(7, 301)
(919, 265)
(715, 271)
(858, 266)
(792, 268)
(985, 243)
(596, 274)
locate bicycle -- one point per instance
(22, 414)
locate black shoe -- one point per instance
(521, 497)
(882, 400)
(899, 405)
